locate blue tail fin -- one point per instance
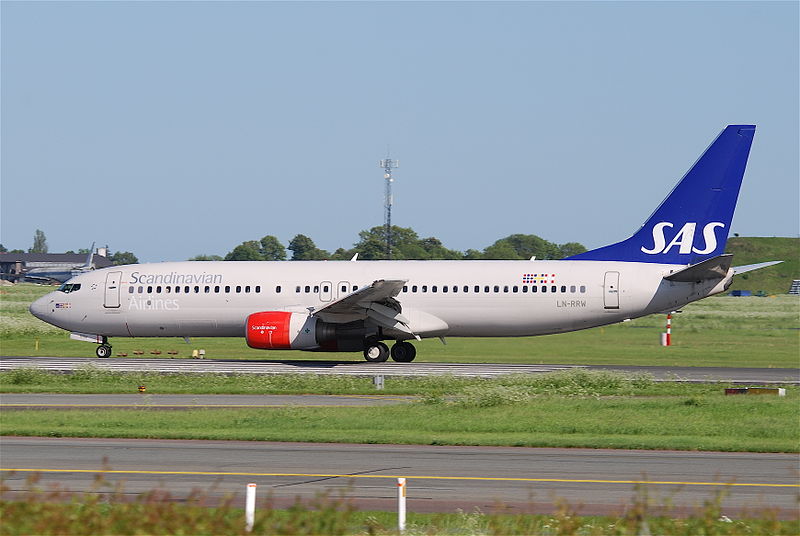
(693, 222)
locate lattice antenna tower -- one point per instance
(388, 165)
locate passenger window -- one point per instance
(186, 289)
(572, 288)
(238, 289)
(355, 288)
(413, 288)
(297, 289)
(444, 288)
(278, 289)
(534, 288)
(544, 288)
(197, 290)
(316, 289)
(216, 289)
(258, 289)
(554, 289)
(505, 288)
(563, 288)
(405, 288)
(477, 289)
(466, 288)
(325, 288)
(158, 289)
(141, 289)
(167, 289)
(455, 288)
(344, 288)
(130, 290)
(433, 288)
(486, 288)
(583, 289)
(524, 289)
(515, 288)
(177, 289)
(308, 289)
(247, 289)
(424, 288)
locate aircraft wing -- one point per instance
(376, 301)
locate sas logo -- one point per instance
(684, 239)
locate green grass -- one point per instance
(752, 250)
(55, 512)
(571, 409)
(719, 331)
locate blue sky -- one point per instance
(175, 129)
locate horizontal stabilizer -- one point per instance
(751, 267)
(713, 268)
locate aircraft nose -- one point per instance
(41, 308)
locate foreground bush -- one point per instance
(58, 512)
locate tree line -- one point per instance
(40, 246)
(371, 245)
(406, 245)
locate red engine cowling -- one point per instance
(280, 330)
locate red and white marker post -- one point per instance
(666, 338)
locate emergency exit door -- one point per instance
(611, 290)
(112, 290)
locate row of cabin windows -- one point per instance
(497, 288)
(315, 288)
(238, 289)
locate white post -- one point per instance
(401, 504)
(250, 507)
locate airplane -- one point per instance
(57, 274)
(675, 258)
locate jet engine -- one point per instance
(282, 330)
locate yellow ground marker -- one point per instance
(418, 477)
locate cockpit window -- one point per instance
(69, 287)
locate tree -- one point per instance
(246, 251)
(3, 249)
(571, 248)
(271, 249)
(204, 257)
(123, 257)
(39, 242)
(304, 249)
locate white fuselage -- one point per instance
(464, 298)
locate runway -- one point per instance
(482, 370)
(440, 478)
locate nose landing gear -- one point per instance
(104, 350)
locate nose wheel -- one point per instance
(104, 350)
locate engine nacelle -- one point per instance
(281, 330)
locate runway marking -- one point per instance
(416, 477)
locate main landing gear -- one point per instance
(378, 352)
(104, 350)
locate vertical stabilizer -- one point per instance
(693, 222)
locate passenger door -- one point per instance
(611, 290)
(111, 300)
